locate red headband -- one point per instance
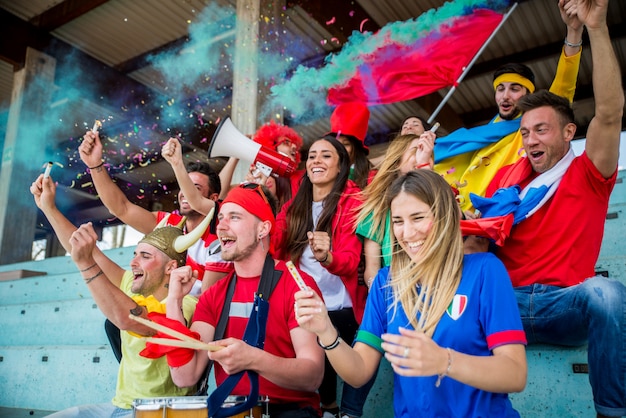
(253, 201)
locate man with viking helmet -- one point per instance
(159, 257)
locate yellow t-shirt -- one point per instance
(139, 377)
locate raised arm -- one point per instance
(116, 202)
(172, 152)
(44, 193)
(373, 260)
(574, 35)
(603, 135)
(564, 83)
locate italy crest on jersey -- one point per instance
(457, 306)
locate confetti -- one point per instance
(362, 23)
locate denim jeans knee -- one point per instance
(593, 312)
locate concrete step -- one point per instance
(52, 378)
(614, 232)
(60, 286)
(558, 383)
(52, 323)
(613, 266)
(57, 265)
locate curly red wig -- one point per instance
(272, 134)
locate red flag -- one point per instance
(497, 228)
(397, 72)
(176, 356)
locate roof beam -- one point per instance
(26, 35)
(64, 12)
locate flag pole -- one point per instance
(467, 68)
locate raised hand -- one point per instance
(319, 242)
(172, 152)
(44, 192)
(182, 280)
(90, 149)
(311, 313)
(83, 242)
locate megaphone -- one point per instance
(228, 141)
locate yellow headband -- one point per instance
(514, 78)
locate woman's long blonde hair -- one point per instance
(426, 288)
(373, 195)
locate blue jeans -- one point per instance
(353, 399)
(593, 312)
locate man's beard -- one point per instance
(190, 213)
(511, 115)
(241, 254)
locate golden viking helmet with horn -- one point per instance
(170, 239)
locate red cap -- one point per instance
(351, 119)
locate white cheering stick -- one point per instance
(46, 172)
(96, 125)
(296, 276)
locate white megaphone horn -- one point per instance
(228, 141)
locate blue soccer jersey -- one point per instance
(482, 316)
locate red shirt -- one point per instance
(281, 320)
(559, 244)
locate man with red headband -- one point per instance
(288, 364)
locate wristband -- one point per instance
(332, 345)
(325, 258)
(571, 45)
(417, 167)
(89, 268)
(98, 166)
(92, 278)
